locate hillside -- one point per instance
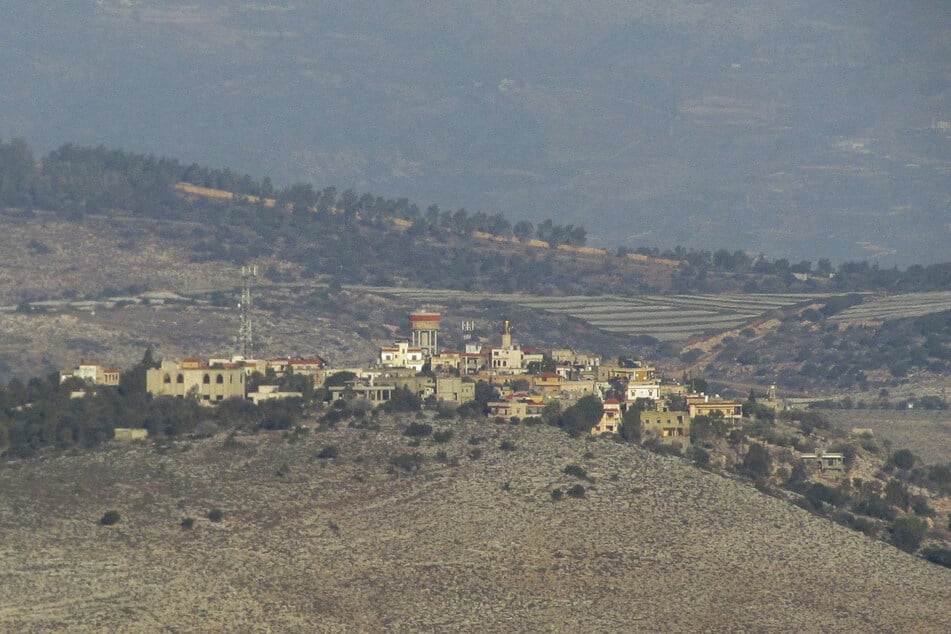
(360, 543)
(108, 285)
(798, 129)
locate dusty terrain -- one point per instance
(926, 433)
(352, 543)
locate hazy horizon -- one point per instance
(799, 130)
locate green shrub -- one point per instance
(109, 518)
(920, 507)
(216, 515)
(577, 491)
(443, 435)
(864, 525)
(903, 459)
(187, 523)
(700, 456)
(907, 532)
(475, 454)
(557, 494)
(576, 470)
(407, 461)
(506, 445)
(936, 555)
(328, 452)
(418, 430)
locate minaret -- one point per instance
(506, 333)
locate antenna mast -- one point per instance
(244, 330)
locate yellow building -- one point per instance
(668, 427)
(192, 378)
(703, 405)
(517, 406)
(632, 371)
(610, 422)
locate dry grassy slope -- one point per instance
(926, 433)
(344, 546)
(114, 251)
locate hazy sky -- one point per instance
(799, 129)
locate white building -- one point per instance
(401, 355)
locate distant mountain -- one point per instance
(799, 129)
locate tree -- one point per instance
(109, 518)
(16, 173)
(757, 461)
(403, 400)
(485, 392)
(523, 230)
(896, 494)
(583, 415)
(339, 379)
(903, 459)
(551, 413)
(631, 429)
(907, 532)
(132, 381)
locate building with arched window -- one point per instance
(195, 379)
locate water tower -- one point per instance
(424, 329)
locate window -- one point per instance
(219, 379)
(166, 379)
(180, 378)
(206, 379)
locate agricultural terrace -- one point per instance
(887, 307)
(664, 317)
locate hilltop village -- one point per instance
(847, 476)
(521, 381)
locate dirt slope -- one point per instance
(311, 544)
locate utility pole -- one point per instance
(244, 330)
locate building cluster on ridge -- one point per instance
(526, 378)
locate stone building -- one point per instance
(193, 378)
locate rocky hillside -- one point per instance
(462, 535)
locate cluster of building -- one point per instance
(527, 380)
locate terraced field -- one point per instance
(885, 307)
(674, 317)
(664, 317)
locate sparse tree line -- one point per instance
(827, 355)
(332, 234)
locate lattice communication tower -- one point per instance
(245, 336)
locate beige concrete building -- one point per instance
(454, 389)
(703, 405)
(668, 427)
(551, 384)
(374, 393)
(518, 406)
(128, 434)
(610, 422)
(402, 355)
(642, 389)
(635, 371)
(193, 378)
(271, 393)
(93, 373)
